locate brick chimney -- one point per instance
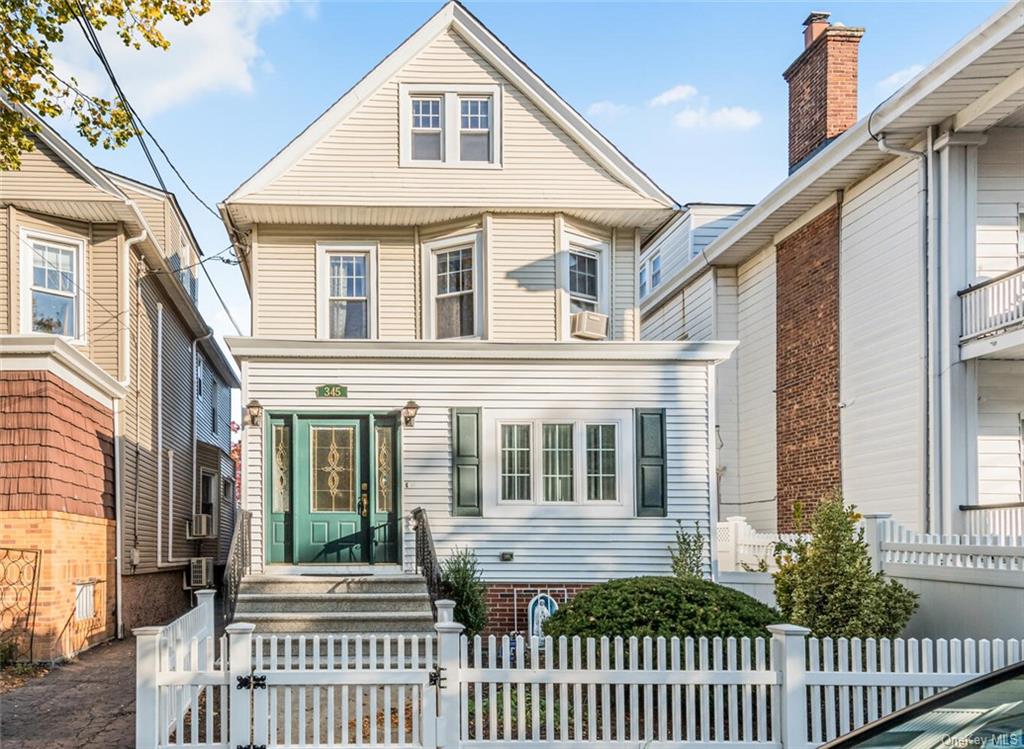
(822, 87)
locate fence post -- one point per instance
(448, 634)
(147, 689)
(730, 554)
(789, 657)
(204, 602)
(873, 537)
(239, 665)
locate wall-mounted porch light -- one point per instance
(253, 412)
(409, 412)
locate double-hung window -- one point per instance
(455, 299)
(584, 278)
(650, 274)
(450, 125)
(54, 299)
(208, 498)
(427, 134)
(559, 462)
(643, 281)
(345, 289)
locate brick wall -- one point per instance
(807, 367)
(56, 446)
(822, 91)
(507, 603)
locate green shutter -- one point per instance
(650, 463)
(466, 461)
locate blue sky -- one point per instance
(241, 82)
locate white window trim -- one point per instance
(323, 251)
(572, 242)
(450, 124)
(26, 237)
(647, 267)
(215, 514)
(495, 506)
(430, 251)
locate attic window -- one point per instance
(450, 126)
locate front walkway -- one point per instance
(86, 704)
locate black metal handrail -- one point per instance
(990, 281)
(426, 555)
(239, 562)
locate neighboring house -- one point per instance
(443, 273)
(877, 294)
(114, 402)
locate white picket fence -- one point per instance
(786, 691)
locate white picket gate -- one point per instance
(786, 691)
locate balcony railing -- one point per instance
(995, 520)
(993, 305)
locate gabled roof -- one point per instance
(455, 16)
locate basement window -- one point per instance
(450, 126)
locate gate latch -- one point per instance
(437, 677)
(255, 681)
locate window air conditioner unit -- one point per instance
(199, 573)
(199, 527)
(591, 325)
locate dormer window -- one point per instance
(450, 126)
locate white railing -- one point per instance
(783, 691)
(993, 305)
(1000, 558)
(742, 548)
(997, 520)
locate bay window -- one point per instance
(583, 281)
(452, 304)
(345, 281)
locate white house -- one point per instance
(877, 294)
(445, 315)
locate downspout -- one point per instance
(195, 421)
(925, 214)
(124, 379)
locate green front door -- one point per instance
(331, 521)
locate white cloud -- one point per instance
(682, 92)
(606, 109)
(892, 82)
(216, 53)
(724, 118)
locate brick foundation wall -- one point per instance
(154, 598)
(75, 549)
(807, 381)
(507, 603)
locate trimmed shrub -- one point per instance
(825, 582)
(661, 607)
(462, 583)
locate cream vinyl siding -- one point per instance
(1000, 412)
(1000, 201)
(882, 328)
(45, 176)
(357, 163)
(710, 221)
(6, 267)
(698, 308)
(755, 361)
(726, 397)
(665, 323)
(285, 279)
(580, 547)
(522, 268)
(625, 311)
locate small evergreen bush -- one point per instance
(661, 607)
(825, 582)
(462, 583)
(688, 554)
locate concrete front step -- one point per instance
(358, 622)
(333, 584)
(331, 602)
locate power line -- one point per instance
(216, 291)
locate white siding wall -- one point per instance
(573, 548)
(882, 328)
(523, 278)
(698, 308)
(1000, 201)
(1000, 411)
(665, 323)
(709, 221)
(726, 397)
(673, 244)
(755, 359)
